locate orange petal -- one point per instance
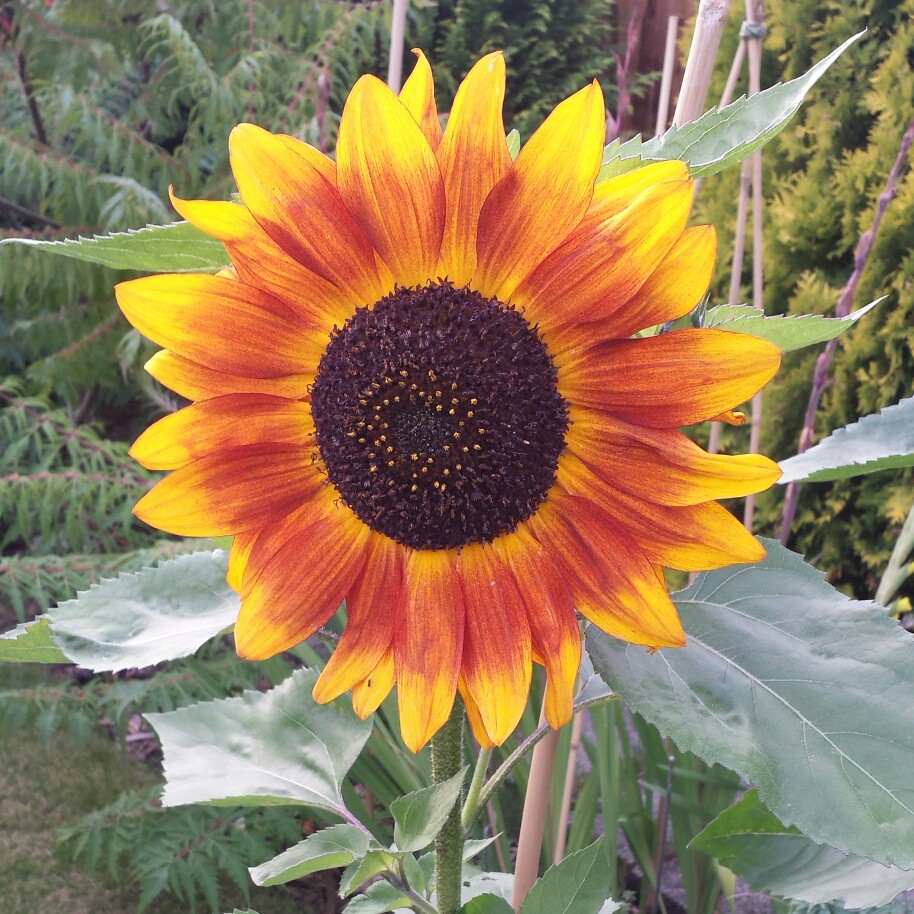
(261, 262)
(287, 191)
(231, 491)
(429, 644)
(595, 272)
(670, 380)
(543, 196)
(731, 417)
(220, 323)
(220, 424)
(373, 605)
(292, 590)
(239, 555)
(550, 612)
(497, 666)
(197, 382)
(473, 156)
(369, 694)
(612, 581)
(418, 97)
(390, 181)
(690, 538)
(677, 285)
(663, 465)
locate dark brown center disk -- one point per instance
(438, 416)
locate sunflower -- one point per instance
(418, 388)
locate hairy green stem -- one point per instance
(447, 760)
(471, 804)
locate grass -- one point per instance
(49, 785)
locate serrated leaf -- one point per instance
(801, 691)
(174, 248)
(419, 816)
(145, 617)
(487, 904)
(326, 849)
(748, 839)
(787, 333)
(261, 749)
(379, 899)
(881, 441)
(359, 871)
(31, 643)
(724, 136)
(577, 885)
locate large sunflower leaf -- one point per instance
(753, 843)
(327, 849)
(31, 643)
(803, 692)
(787, 333)
(276, 748)
(724, 136)
(881, 441)
(577, 885)
(175, 248)
(145, 617)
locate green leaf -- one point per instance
(419, 816)
(261, 749)
(801, 691)
(501, 884)
(174, 248)
(513, 143)
(577, 885)
(144, 617)
(881, 441)
(753, 843)
(378, 899)
(359, 871)
(722, 137)
(31, 643)
(326, 849)
(787, 333)
(487, 904)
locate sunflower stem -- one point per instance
(447, 759)
(471, 804)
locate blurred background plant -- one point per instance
(105, 103)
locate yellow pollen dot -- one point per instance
(362, 440)
(363, 403)
(387, 402)
(351, 434)
(439, 408)
(389, 449)
(477, 447)
(473, 401)
(403, 373)
(432, 376)
(453, 385)
(391, 463)
(470, 414)
(446, 471)
(454, 401)
(424, 470)
(413, 456)
(373, 468)
(465, 449)
(414, 487)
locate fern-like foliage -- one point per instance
(181, 851)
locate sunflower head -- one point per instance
(419, 389)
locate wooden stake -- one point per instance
(666, 80)
(709, 26)
(561, 834)
(397, 30)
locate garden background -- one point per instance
(102, 106)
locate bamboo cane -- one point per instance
(397, 30)
(666, 79)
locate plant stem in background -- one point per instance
(447, 760)
(561, 834)
(533, 818)
(471, 804)
(843, 308)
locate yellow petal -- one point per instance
(543, 196)
(473, 156)
(418, 97)
(390, 181)
(220, 424)
(369, 694)
(197, 382)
